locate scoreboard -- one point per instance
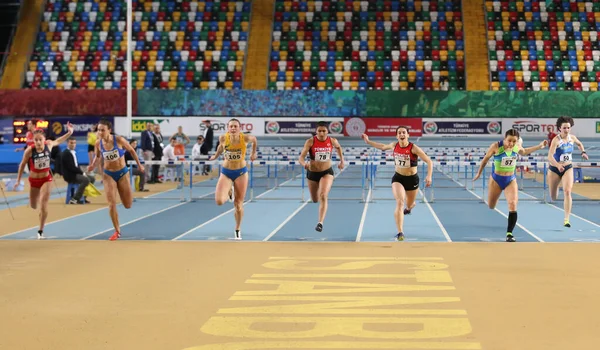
(20, 129)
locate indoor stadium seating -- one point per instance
(367, 45)
(177, 45)
(545, 45)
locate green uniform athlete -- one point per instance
(503, 174)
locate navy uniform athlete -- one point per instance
(560, 156)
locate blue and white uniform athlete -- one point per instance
(560, 156)
(116, 173)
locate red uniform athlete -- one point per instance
(319, 171)
(38, 159)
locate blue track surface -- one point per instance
(456, 214)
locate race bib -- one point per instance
(566, 157)
(41, 163)
(508, 161)
(402, 160)
(322, 156)
(111, 155)
(233, 156)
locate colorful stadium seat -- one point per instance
(546, 45)
(185, 44)
(367, 45)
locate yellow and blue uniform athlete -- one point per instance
(234, 153)
(563, 154)
(505, 161)
(111, 155)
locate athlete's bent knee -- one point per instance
(323, 196)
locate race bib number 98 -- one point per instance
(402, 161)
(233, 156)
(566, 157)
(322, 156)
(41, 163)
(509, 161)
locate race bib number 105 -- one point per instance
(233, 156)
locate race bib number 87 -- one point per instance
(322, 156)
(402, 161)
(509, 161)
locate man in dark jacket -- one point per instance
(72, 172)
(207, 146)
(158, 153)
(135, 170)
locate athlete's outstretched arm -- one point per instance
(527, 151)
(26, 156)
(128, 148)
(97, 156)
(419, 152)
(61, 139)
(490, 153)
(219, 149)
(378, 145)
(338, 149)
(307, 145)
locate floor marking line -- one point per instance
(291, 216)
(561, 209)
(435, 217)
(497, 210)
(364, 216)
(227, 212)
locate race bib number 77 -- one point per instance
(402, 161)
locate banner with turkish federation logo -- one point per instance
(461, 127)
(381, 126)
(302, 126)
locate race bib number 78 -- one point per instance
(322, 156)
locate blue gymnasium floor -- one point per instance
(456, 213)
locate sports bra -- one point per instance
(113, 154)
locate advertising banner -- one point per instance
(81, 125)
(528, 127)
(192, 126)
(6, 129)
(381, 126)
(306, 126)
(461, 127)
